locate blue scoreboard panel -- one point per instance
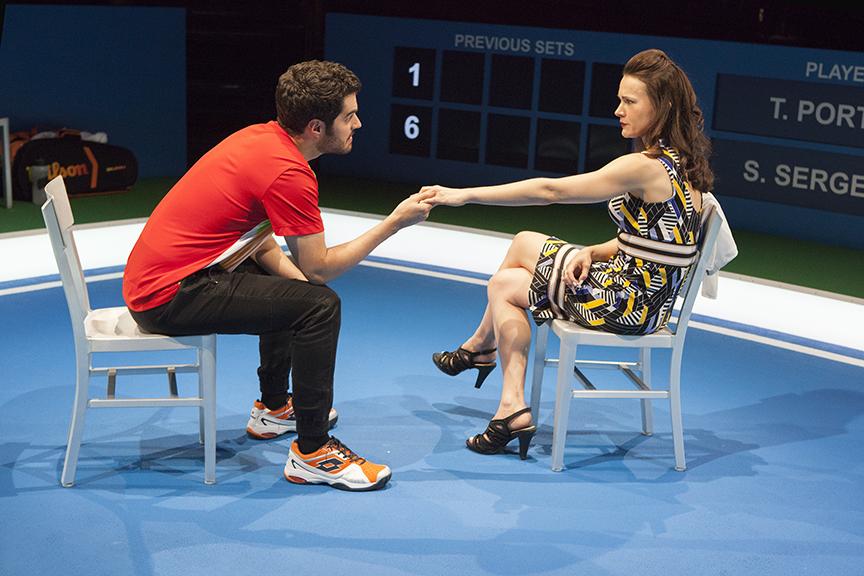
(466, 103)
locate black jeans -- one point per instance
(297, 324)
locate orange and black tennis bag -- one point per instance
(87, 167)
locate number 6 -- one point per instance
(412, 127)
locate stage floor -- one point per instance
(773, 397)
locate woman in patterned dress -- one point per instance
(626, 285)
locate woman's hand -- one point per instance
(441, 196)
(576, 269)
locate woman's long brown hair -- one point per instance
(679, 122)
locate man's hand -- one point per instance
(411, 210)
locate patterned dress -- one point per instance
(627, 294)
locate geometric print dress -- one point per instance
(627, 294)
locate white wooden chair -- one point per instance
(114, 330)
(638, 372)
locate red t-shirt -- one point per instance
(255, 174)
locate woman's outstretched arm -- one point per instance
(631, 173)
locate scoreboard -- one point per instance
(505, 124)
(466, 103)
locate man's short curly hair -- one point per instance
(310, 90)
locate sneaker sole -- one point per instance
(270, 435)
(266, 436)
(336, 483)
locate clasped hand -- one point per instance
(413, 209)
(442, 196)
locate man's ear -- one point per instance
(315, 127)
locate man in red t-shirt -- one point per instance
(207, 262)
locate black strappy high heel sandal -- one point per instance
(453, 363)
(498, 434)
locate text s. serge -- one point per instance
(808, 178)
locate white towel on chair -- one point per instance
(725, 249)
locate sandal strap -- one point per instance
(460, 359)
(495, 437)
(497, 432)
(479, 352)
(513, 416)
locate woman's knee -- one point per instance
(509, 284)
(528, 238)
(524, 249)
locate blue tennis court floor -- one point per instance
(773, 439)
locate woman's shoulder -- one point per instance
(639, 166)
(634, 162)
(636, 173)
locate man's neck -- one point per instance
(307, 148)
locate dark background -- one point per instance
(236, 50)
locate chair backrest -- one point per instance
(711, 222)
(59, 220)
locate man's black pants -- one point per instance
(297, 324)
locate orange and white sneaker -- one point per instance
(264, 423)
(335, 464)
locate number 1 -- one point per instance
(415, 74)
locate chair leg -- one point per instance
(647, 412)
(207, 380)
(201, 419)
(76, 427)
(675, 409)
(563, 395)
(542, 338)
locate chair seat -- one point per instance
(113, 323)
(114, 329)
(663, 338)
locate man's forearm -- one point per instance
(271, 257)
(343, 257)
(332, 262)
(321, 264)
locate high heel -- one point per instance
(498, 434)
(459, 360)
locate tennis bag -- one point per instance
(87, 167)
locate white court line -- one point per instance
(752, 302)
(777, 343)
(57, 284)
(422, 272)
